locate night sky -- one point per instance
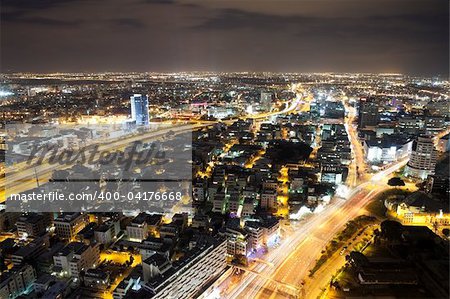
(213, 35)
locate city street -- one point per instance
(312, 234)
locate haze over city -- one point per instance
(400, 36)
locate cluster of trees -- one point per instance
(396, 182)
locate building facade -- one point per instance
(368, 113)
(422, 161)
(139, 109)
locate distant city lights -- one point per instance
(5, 93)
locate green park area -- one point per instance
(353, 228)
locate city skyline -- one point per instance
(217, 149)
(261, 185)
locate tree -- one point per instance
(391, 230)
(241, 260)
(435, 226)
(396, 181)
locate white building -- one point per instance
(220, 112)
(16, 281)
(248, 208)
(266, 100)
(75, 257)
(332, 174)
(263, 232)
(386, 150)
(238, 243)
(139, 109)
(105, 233)
(219, 203)
(256, 234)
(422, 161)
(138, 229)
(268, 199)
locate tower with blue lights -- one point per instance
(139, 109)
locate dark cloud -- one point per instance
(14, 8)
(128, 23)
(370, 26)
(158, 1)
(17, 11)
(231, 19)
(47, 21)
(33, 4)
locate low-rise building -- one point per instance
(138, 230)
(263, 232)
(154, 265)
(332, 173)
(169, 231)
(33, 224)
(248, 207)
(68, 225)
(153, 245)
(59, 289)
(17, 281)
(96, 278)
(238, 242)
(75, 257)
(219, 203)
(387, 149)
(106, 232)
(32, 250)
(268, 199)
(200, 221)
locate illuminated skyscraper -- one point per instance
(266, 100)
(368, 113)
(139, 109)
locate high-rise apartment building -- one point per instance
(266, 100)
(422, 160)
(139, 109)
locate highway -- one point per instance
(358, 168)
(23, 177)
(300, 248)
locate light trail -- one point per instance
(308, 240)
